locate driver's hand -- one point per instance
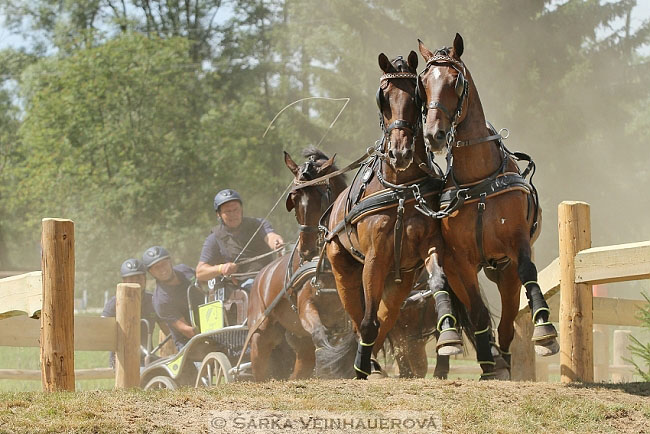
(275, 241)
(228, 268)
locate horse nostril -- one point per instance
(408, 154)
(440, 135)
(391, 154)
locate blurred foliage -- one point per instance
(129, 116)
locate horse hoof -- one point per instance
(547, 348)
(449, 337)
(543, 332)
(377, 371)
(440, 375)
(488, 376)
(501, 369)
(450, 350)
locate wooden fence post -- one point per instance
(601, 352)
(523, 350)
(127, 319)
(576, 300)
(57, 313)
(620, 353)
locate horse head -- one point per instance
(445, 81)
(310, 202)
(399, 111)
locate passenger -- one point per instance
(170, 299)
(229, 238)
(133, 271)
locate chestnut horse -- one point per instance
(493, 214)
(301, 316)
(379, 239)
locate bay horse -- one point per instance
(378, 240)
(492, 210)
(301, 316)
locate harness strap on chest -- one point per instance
(397, 239)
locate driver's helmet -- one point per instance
(153, 255)
(224, 196)
(132, 267)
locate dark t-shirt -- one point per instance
(146, 312)
(170, 302)
(224, 244)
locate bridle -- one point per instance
(399, 124)
(442, 58)
(323, 187)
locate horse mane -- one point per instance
(400, 64)
(318, 157)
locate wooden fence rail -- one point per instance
(567, 286)
(50, 294)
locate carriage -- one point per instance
(211, 357)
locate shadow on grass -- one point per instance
(637, 388)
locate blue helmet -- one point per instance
(132, 267)
(153, 255)
(224, 196)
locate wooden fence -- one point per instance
(49, 295)
(567, 286)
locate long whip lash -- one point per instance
(286, 190)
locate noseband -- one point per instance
(325, 199)
(399, 124)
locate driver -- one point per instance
(170, 299)
(229, 238)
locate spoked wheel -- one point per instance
(214, 371)
(161, 382)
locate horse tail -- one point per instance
(337, 361)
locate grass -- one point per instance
(465, 406)
(28, 358)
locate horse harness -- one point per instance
(393, 195)
(499, 182)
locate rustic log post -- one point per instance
(576, 300)
(127, 319)
(57, 313)
(541, 370)
(523, 350)
(601, 352)
(169, 349)
(620, 353)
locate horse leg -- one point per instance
(374, 275)
(466, 287)
(263, 342)
(544, 334)
(442, 363)
(449, 340)
(305, 356)
(310, 317)
(389, 310)
(348, 278)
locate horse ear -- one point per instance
(289, 202)
(290, 163)
(326, 164)
(385, 64)
(413, 61)
(459, 47)
(424, 51)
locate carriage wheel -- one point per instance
(214, 371)
(161, 382)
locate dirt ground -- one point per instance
(462, 406)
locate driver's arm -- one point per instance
(185, 329)
(205, 271)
